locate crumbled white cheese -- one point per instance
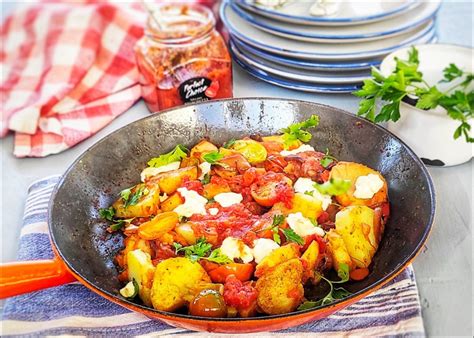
(303, 185)
(236, 248)
(152, 171)
(303, 226)
(262, 247)
(164, 197)
(213, 211)
(226, 199)
(205, 169)
(193, 203)
(367, 186)
(300, 149)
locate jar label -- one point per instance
(195, 89)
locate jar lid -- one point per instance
(179, 22)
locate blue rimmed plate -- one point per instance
(360, 33)
(310, 77)
(307, 64)
(244, 31)
(351, 13)
(295, 85)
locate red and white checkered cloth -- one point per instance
(68, 69)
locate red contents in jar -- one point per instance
(184, 61)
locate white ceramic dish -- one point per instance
(430, 133)
(289, 73)
(363, 32)
(244, 31)
(352, 13)
(308, 64)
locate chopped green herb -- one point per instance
(125, 194)
(213, 157)
(309, 193)
(218, 257)
(176, 155)
(229, 143)
(334, 187)
(130, 198)
(194, 252)
(107, 213)
(327, 160)
(298, 131)
(278, 220)
(119, 224)
(292, 236)
(206, 179)
(276, 235)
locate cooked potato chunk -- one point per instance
(158, 226)
(357, 228)
(141, 269)
(170, 181)
(172, 202)
(279, 139)
(309, 206)
(338, 250)
(213, 189)
(311, 256)
(281, 290)
(143, 201)
(202, 148)
(351, 171)
(174, 282)
(276, 257)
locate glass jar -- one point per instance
(182, 58)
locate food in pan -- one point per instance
(248, 227)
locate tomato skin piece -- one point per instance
(272, 188)
(359, 274)
(242, 272)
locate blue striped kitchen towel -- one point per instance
(74, 310)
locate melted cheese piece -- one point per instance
(303, 226)
(367, 186)
(300, 149)
(226, 199)
(152, 171)
(213, 211)
(205, 169)
(303, 185)
(193, 203)
(262, 247)
(236, 248)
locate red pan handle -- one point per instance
(17, 278)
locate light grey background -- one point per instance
(444, 267)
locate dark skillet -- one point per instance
(114, 163)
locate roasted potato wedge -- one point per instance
(309, 206)
(357, 228)
(202, 148)
(311, 256)
(172, 202)
(338, 250)
(158, 225)
(213, 189)
(277, 256)
(141, 269)
(170, 181)
(174, 283)
(147, 204)
(351, 171)
(281, 290)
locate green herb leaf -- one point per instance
(307, 305)
(177, 247)
(218, 257)
(343, 273)
(107, 213)
(125, 194)
(176, 155)
(206, 179)
(276, 235)
(327, 160)
(132, 198)
(194, 252)
(334, 187)
(292, 236)
(278, 220)
(413, 55)
(213, 157)
(298, 131)
(229, 143)
(451, 72)
(428, 99)
(309, 193)
(120, 224)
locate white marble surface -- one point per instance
(443, 268)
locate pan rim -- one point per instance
(339, 303)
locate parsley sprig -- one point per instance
(327, 159)
(176, 155)
(292, 236)
(407, 80)
(213, 157)
(298, 131)
(199, 250)
(109, 215)
(132, 198)
(334, 293)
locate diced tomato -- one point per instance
(239, 295)
(272, 188)
(243, 272)
(195, 185)
(251, 176)
(275, 163)
(321, 242)
(323, 218)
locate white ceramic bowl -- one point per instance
(430, 132)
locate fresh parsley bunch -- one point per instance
(405, 80)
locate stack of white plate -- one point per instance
(331, 54)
